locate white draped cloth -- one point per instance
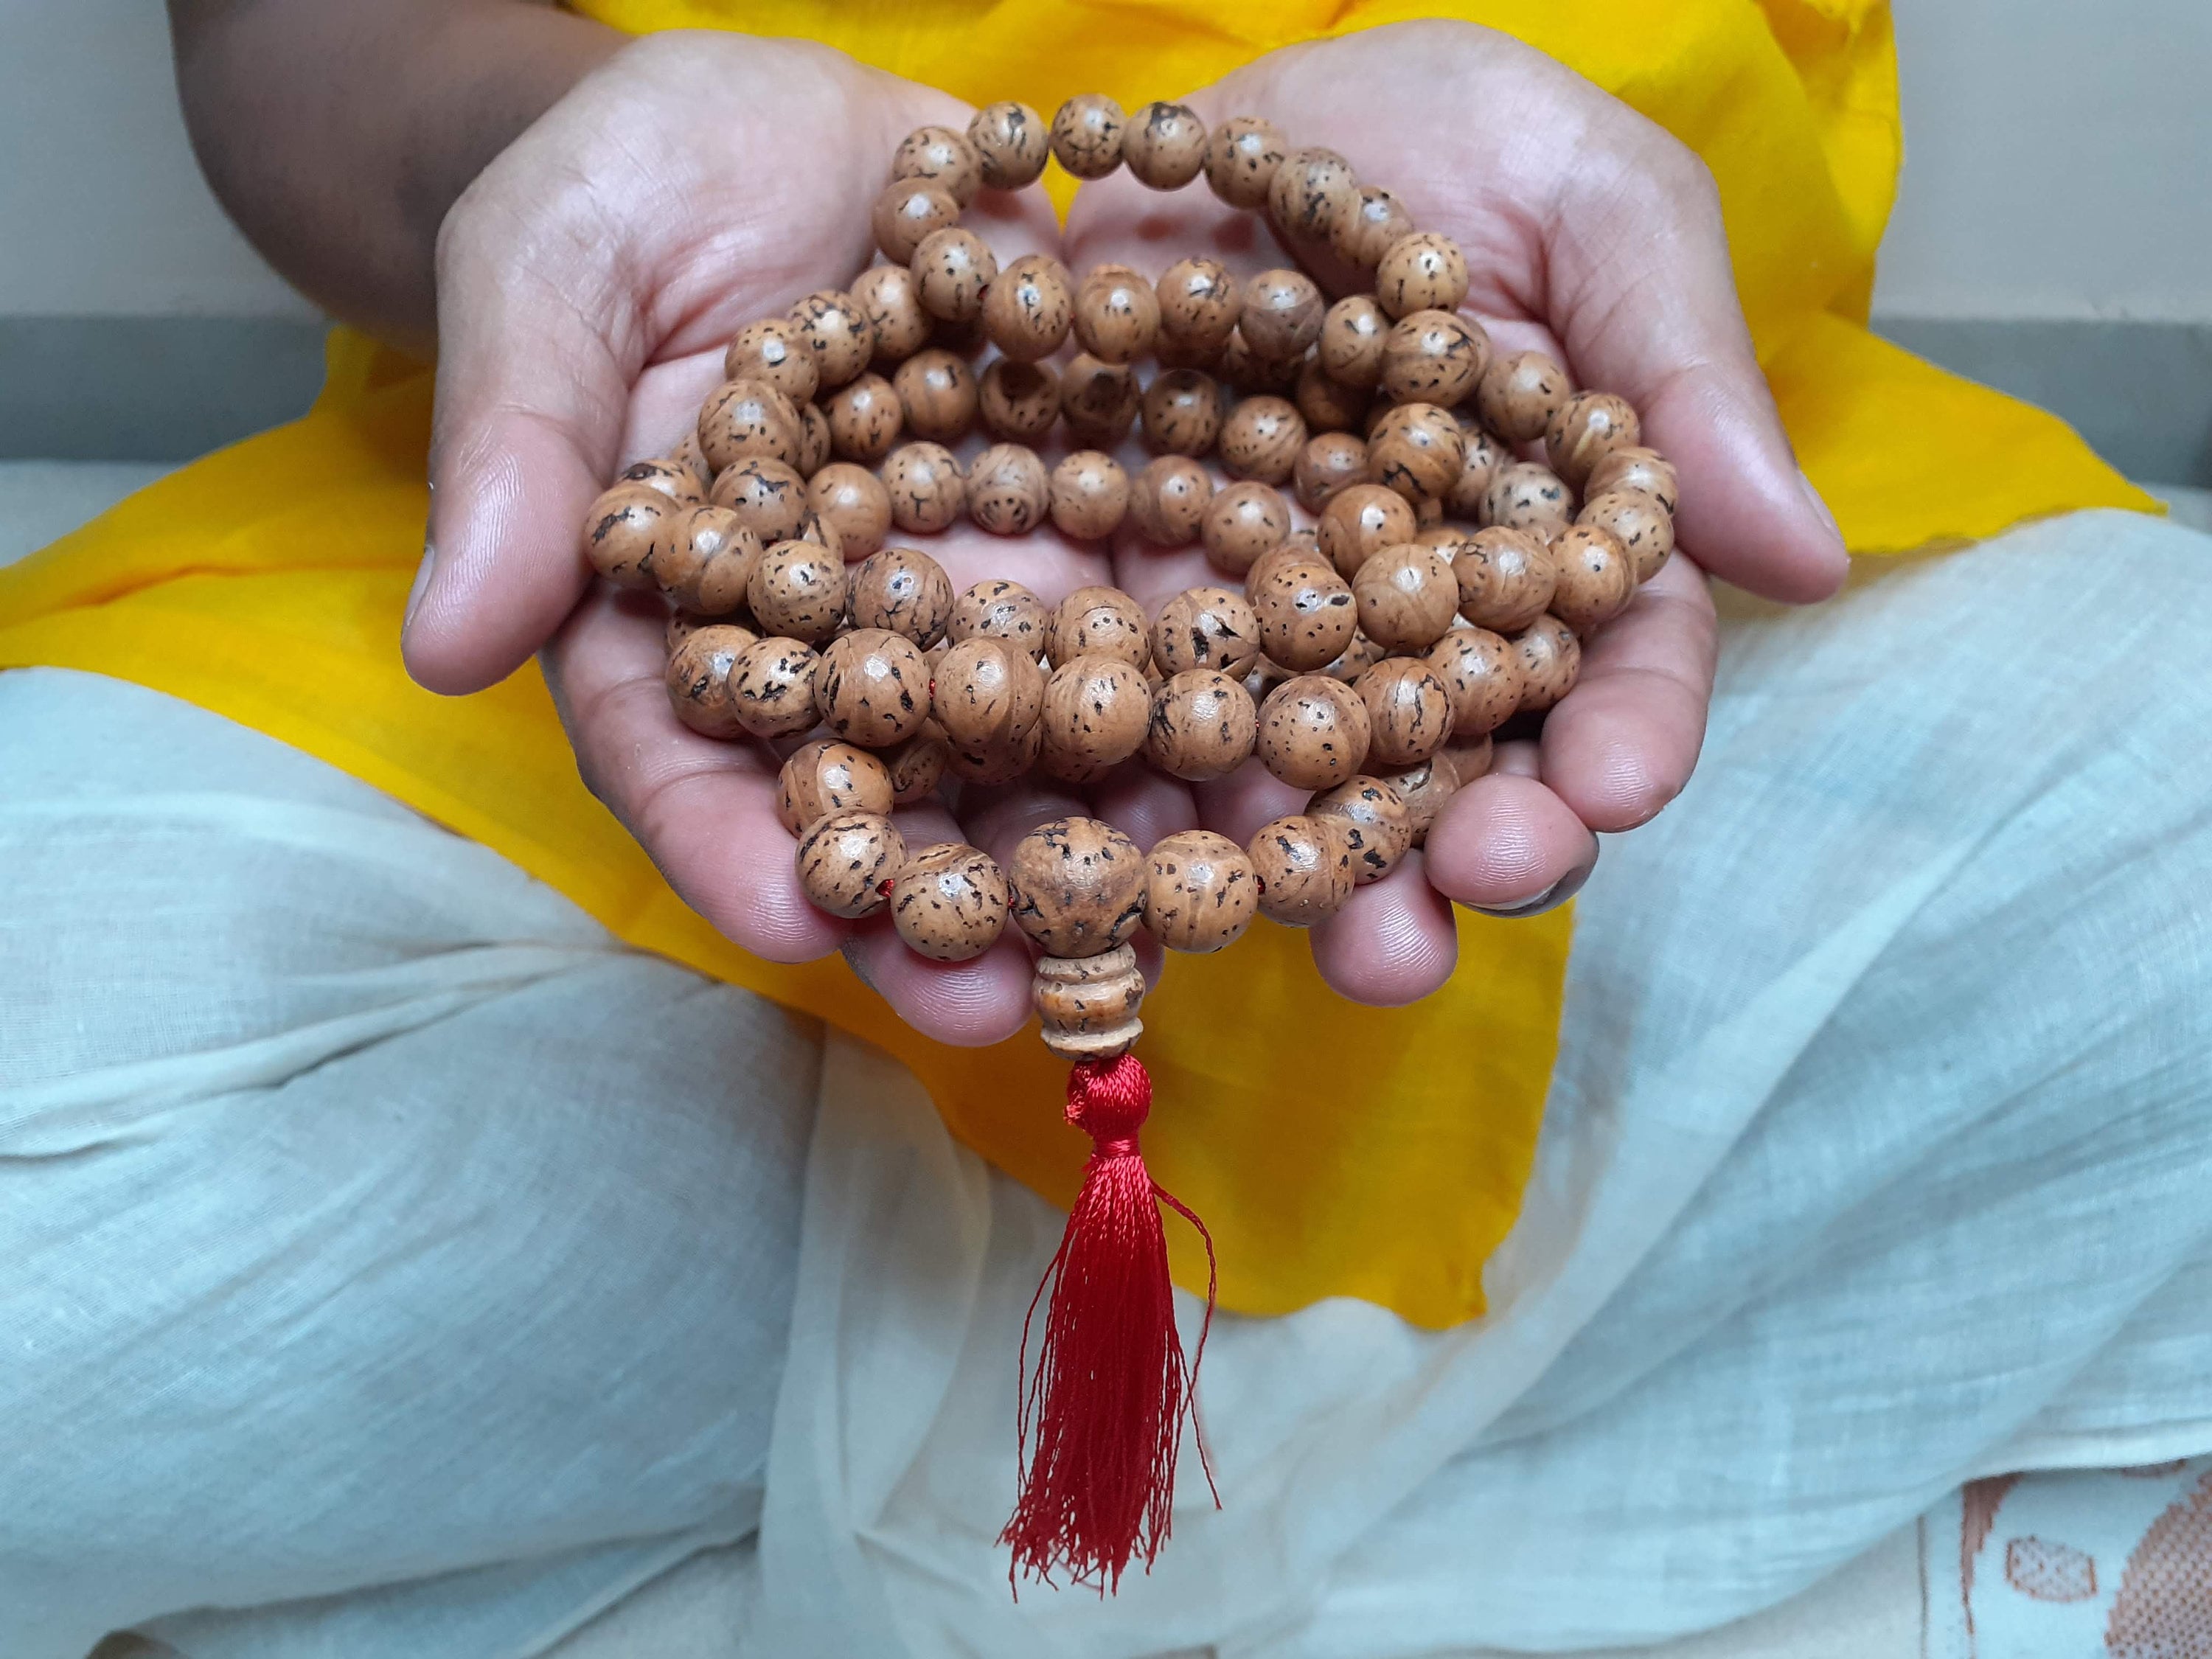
(393, 1263)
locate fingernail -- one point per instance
(1819, 506)
(1551, 898)
(423, 574)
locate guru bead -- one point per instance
(1099, 400)
(1378, 828)
(1007, 490)
(1076, 886)
(1505, 578)
(1199, 893)
(1203, 724)
(1181, 411)
(1425, 271)
(769, 497)
(837, 331)
(908, 210)
(1550, 661)
(1168, 501)
(623, 527)
(1261, 439)
(772, 687)
(1519, 395)
(927, 490)
(885, 296)
(1407, 596)
(952, 268)
(944, 157)
(949, 903)
(1416, 450)
(1597, 580)
(1087, 1006)
(1241, 156)
(985, 694)
(1117, 315)
(1086, 135)
(1303, 868)
(1281, 316)
(1359, 521)
(1329, 464)
(742, 418)
(1528, 497)
(1312, 189)
(853, 502)
(1306, 612)
(904, 591)
(1314, 732)
(1087, 496)
(1012, 143)
(1205, 628)
(847, 862)
(1198, 301)
(1355, 335)
(1096, 713)
(771, 350)
(1244, 521)
(1028, 312)
(1098, 622)
(825, 777)
(1433, 357)
(798, 589)
(1638, 522)
(865, 415)
(1366, 232)
(1165, 145)
(1409, 711)
(1638, 469)
(698, 678)
(996, 609)
(872, 687)
(1019, 403)
(1586, 428)
(1481, 671)
(706, 561)
(937, 396)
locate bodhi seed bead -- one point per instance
(852, 500)
(1481, 671)
(1584, 430)
(1433, 357)
(1478, 463)
(908, 210)
(1117, 315)
(1011, 143)
(1203, 724)
(1425, 271)
(1520, 394)
(687, 454)
(1281, 316)
(1638, 522)
(949, 903)
(1372, 815)
(1205, 628)
(698, 678)
(772, 687)
(1311, 191)
(985, 694)
(1416, 450)
(1314, 732)
(768, 496)
(1199, 891)
(1327, 404)
(1359, 521)
(1244, 521)
(1261, 439)
(623, 528)
(1424, 787)
(1198, 301)
(771, 350)
(1095, 712)
(999, 762)
(825, 777)
(872, 688)
(1505, 578)
(1019, 403)
(1099, 621)
(1099, 400)
(1181, 412)
(707, 561)
(847, 861)
(1306, 612)
(673, 478)
(900, 326)
(1330, 464)
(1076, 886)
(952, 269)
(1528, 497)
(1353, 338)
(1168, 498)
(814, 446)
(837, 331)
(942, 156)
(1362, 655)
(1366, 232)
(1407, 596)
(865, 418)
(1241, 156)
(927, 490)
(936, 395)
(1635, 468)
(1028, 310)
(1409, 710)
(1086, 135)
(1550, 661)
(1165, 145)
(745, 418)
(904, 591)
(798, 589)
(1241, 368)
(1002, 610)
(1597, 580)
(1006, 490)
(1303, 869)
(917, 765)
(1089, 494)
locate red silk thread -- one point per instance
(1102, 1417)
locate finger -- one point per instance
(1622, 744)
(1394, 942)
(1505, 843)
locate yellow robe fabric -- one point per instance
(1334, 1149)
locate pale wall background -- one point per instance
(2053, 232)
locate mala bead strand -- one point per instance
(1011, 143)
(949, 903)
(1200, 891)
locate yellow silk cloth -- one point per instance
(1333, 1150)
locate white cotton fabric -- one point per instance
(387, 1255)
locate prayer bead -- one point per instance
(952, 268)
(1314, 732)
(1205, 628)
(745, 418)
(1355, 659)
(1098, 622)
(1011, 143)
(837, 331)
(1241, 156)
(1089, 493)
(1519, 395)
(1203, 724)
(1359, 521)
(904, 591)
(1281, 315)
(624, 527)
(1406, 597)
(1409, 710)
(814, 445)
(1311, 191)
(1596, 579)
(1376, 825)
(898, 324)
(942, 156)
(1095, 712)
(986, 693)
(1181, 411)
(1638, 522)
(1248, 372)
(917, 765)
(866, 416)
(1505, 578)
(1028, 312)
(772, 687)
(1002, 610)
(1198, 302)
(1165, 145)
(1087, 1006)
(1330, 464)
(1424, 787)
(908, 210)
(1244, 521)
(1086, 135)
(853, 501)
(1261, 439)
(1328, 405)
(1550, 661)
(1019, 403)
(1354, 337)
(707, 561)
(1002, 761)
(1416, 450)
(1635, 468)
(949, 903)
(936, 395)
(1584, 430)
(1433, 357)
(771, 350)
(1375, 222)
(1199, 891)
(1306, 612)
(698, 678)
(825, 777)
(1425, 271)
(1480, 459)
(1076, 886)
(872, 688)
(1481, 671)
(1117, 315)
(797, 589)
(1168, 498)
(847, 863)
(1099, 400)
(1303, 868)
(1007, 490)
(687, 453)
(768, 496)
(1528, 497)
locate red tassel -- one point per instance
(1101, 1417)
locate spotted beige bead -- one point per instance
(865, 419)
(837, 331)
(987, 693)
(1638, 522)
(1200, 893)
(1314, 732)
(1086, 135)
(1407, 596)
(1425, 271)
(672, 477)
(1098, 622)
(814, 446)
(1169, 501)
(1000, 610)
(906, 211)
(937, 396)
(1097, 710)
(798, 588)
(853, 502)
(952, 268)
(1355, 659)
(1424, 787)
(1088, 494)
(1409, 710)
(1528, 495)
(917, 765)
(1359, 521)
(1028, 310)
(1261, 439)
(743, 418)
(1378, 827)
(903, 591)
(1281, 316)
(1481, 671)
(942, 156)
(1354, 339)
(1165, 145)
(1242, 368)
(698, 678)
(1019, 403)
(1433, 357)
(1244, 520)
(1303, 868)
(1330, 464)
(1550, 661)
(1099, 400)
(1076, 886)
(897, 322)
(927, 490)
(769, 497)
(1200, 301)
(1008, 491)
(1181, 412)
(1311, 190)
(1203, 724)
(1505, 578)
(872, 687)
(771, 351)
(825, 777)
(1205, 628)
(772, 687)
(1635, 468)
(1000, 761)
(949, 903)
(1520, 393)
(1241, 157)
(1584, 430)
(847, 863)
(1011, 143)
(1479, 460)
(1596, 579)
(625, 527)
(1117, 314)
(1306, 612)
(706, 561)
(1376, 222)
(1416, 450)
